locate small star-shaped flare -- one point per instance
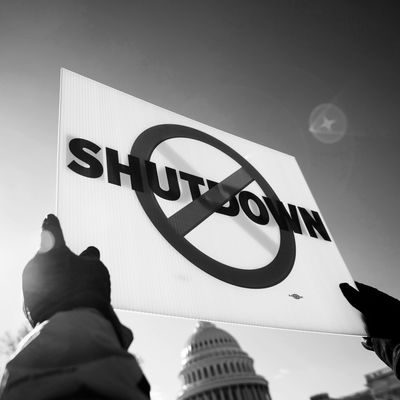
(327, 123)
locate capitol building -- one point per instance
(216, 368)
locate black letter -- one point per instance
(194, 182)
(173, 193)
(115, 169)
(232, 209)
(282, 217)
(77, 148)
(244, 198)
(312, 223)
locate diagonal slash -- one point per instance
(181, 223)
(190, 216)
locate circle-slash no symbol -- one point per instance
(175, 227)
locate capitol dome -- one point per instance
(214, 367)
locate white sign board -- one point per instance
(192, 221)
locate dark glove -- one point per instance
(56, 280)
(380, 311)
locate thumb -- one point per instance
(51, 236)
(352, 295)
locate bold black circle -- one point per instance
(269, 275)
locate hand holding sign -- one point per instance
(380, 311)
(56, 280)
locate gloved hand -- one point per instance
(380, 311)
(56, 280)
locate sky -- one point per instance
(243, 67)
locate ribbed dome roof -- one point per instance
(212, 360)
(208, 336)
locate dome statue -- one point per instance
(214, 367)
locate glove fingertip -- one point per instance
(53, 235)
(92, 252)
(347, 290)
(351, 295)
(343, 285)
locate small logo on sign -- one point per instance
(296, 296)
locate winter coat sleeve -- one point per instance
(75, 354)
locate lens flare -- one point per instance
(328, 123)
(47, 241)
